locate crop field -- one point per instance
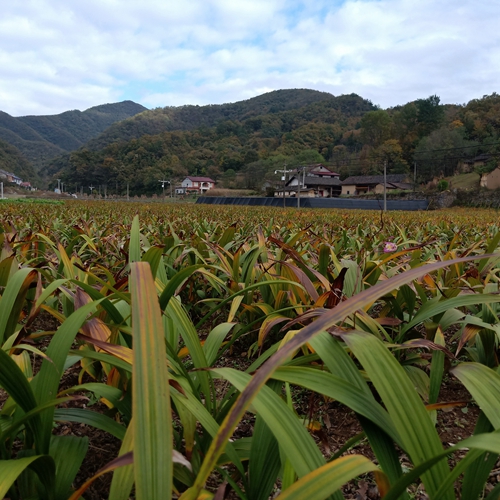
(158, 351)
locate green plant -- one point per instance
(442, 185)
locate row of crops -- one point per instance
(377, 313)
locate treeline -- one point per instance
(346, 132)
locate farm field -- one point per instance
(195, 352)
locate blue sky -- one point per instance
(58, 55)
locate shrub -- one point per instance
(442, 185)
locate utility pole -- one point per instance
(303, 183)
(284, 172)
(414, 176)
(91, 189)
(127, 192)
(163, 182)
(59, 184)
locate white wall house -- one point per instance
(199, 184)
(10, 177)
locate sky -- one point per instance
(59, 55)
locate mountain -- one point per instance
(285, 125)
(191, 117)
(40, 138)
(241, 144)
(13, 161)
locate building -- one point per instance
(491, 180)
(198, 185)
(361, 184)
(10, 177)
(312, 181)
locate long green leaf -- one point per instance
(12, 379)
(134, 248)
(10, 470)
(322, 482)
(46, 382)
(264, 463)
(408, 413)
(152, 421)
(478, 472)
(190, 336)
(484, 385)
(191, 403)
(302, 451)
(334, 387)
(482, 442)
(89, 417)
(12, 301)
(431, 309)
(327, 320)
(123, 477)
(68, 453)
(175, 282)
(214, 341)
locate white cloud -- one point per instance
(57, 55)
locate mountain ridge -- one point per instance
(40, 138)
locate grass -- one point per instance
(30, 201)
(464, 181)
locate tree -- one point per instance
(376, 128)
(440, 152)
(429, 114)
(308, 157)
(391, 152)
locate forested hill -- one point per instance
(192, 117)
(242, 144)
(13, 161)
(40, 138)
(214, 140)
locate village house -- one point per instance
(362, 184)
(197, 185)
(312, 181)
(491, 180)
(487, 165)
(466, 166)
(10, 177)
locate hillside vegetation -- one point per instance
(13, 161)
(40, 138)
(242, 144)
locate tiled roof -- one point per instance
(312, 180)
(200, 179)
(322, 181)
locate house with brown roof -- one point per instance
(198, 185)
(312, 181)
(361, 184)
